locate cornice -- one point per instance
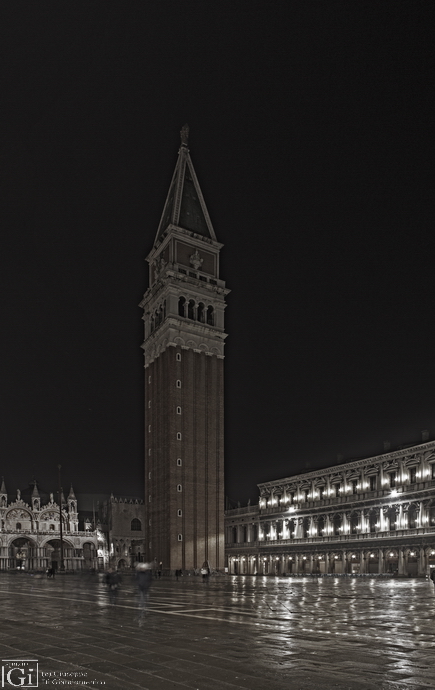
(352, 464)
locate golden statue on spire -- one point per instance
(184, 135)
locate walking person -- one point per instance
(432, 575)
(144, 576)
(113, 581)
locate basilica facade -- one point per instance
(30, 534)
(370, 516)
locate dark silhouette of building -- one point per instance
(184, 395)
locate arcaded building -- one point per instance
(184, 381)
(373, 515)
(30, 535)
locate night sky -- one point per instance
(311, 128)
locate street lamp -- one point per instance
(62, 565)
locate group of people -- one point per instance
(143, 576)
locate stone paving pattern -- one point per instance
(250, 633)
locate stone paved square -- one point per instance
(233, 633)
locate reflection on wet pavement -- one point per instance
(245, 632)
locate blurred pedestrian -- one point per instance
(144, 575)
(113, 581)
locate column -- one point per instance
(365, 521)
(363, 555)
(381, 476)
(381, 568)
(363, 480)
(327, 564)
(283, 565)
(298, 527)
(401, 564)
(422, 567)
(405, 516)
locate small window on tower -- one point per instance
(178, 357)
(178, 383)
(179, 488)
(178, 410)
(180, 537)
(179, 513)
(179, 462)
(178, 436)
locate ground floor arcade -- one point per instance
(406, 560)
(27, 553)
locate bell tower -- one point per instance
(184, 383)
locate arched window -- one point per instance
(178, 357)
(353, 523)
(18, 525)
(201, 313)
(412, 516)
(337, 524)
(136, 525)
(182, 306)
(191, 310)
(210, 316)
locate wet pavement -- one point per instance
(250, 633)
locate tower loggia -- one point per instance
(184, 381)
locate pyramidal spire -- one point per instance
(185, 206)
(3, 487)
